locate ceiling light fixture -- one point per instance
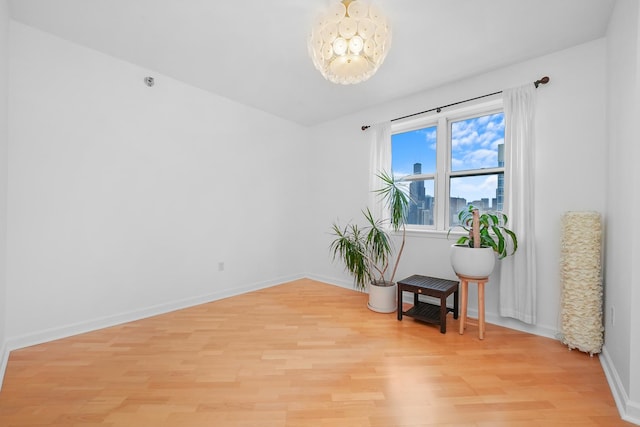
(350, 41)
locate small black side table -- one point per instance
(433, 287)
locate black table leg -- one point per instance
(455, 304)
(443, 315)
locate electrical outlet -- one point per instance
(221, 266)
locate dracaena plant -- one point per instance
(492, 229)
(367, 251)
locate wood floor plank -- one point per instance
(302, 354)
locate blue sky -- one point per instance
(474, 142)
(474, 146)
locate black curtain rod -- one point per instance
(537, 83)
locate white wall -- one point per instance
(622, 293)
(123, 198)
(4, 79)
(570, 169)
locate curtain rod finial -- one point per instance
(543, 81)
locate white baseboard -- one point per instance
(629, 410)
(15, 343)
(633, 413)
(4, 354)
(493, 318)
(332, 281)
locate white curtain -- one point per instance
(379, 160)
(518, 272)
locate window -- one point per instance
(449, 161)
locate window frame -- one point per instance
(442, 121)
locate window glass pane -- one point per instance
(477, 143)
(414, 152)
(484, 192)
(422, 202)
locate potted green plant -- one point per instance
(367, 251)
(473, 255)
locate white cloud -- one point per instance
(474, 139)
(474, 188)
(456, 164)
(483, 120)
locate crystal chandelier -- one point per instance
(349, 42)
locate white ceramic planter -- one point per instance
(382, 299)
(472, 262)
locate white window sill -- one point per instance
(426, 233)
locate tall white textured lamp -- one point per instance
(349, 42)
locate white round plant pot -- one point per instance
(472, 262)
(382, 298)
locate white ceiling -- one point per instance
(255, 52)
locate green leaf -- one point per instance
(396, 198)
(493, 231)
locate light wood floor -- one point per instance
(302, 354)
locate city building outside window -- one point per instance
(449, 161)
